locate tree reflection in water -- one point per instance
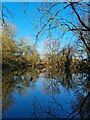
(17, 81)
(58, 88)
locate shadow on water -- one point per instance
(46, 94)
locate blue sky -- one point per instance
(19, 19)
(26, 22)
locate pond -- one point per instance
(41, 94)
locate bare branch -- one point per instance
(84, 25)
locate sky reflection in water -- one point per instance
(40, 95)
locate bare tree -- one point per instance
(52, 46)
(76, 20)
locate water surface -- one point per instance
(38, 94)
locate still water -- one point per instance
(40, 94)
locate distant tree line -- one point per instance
(17, 54)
